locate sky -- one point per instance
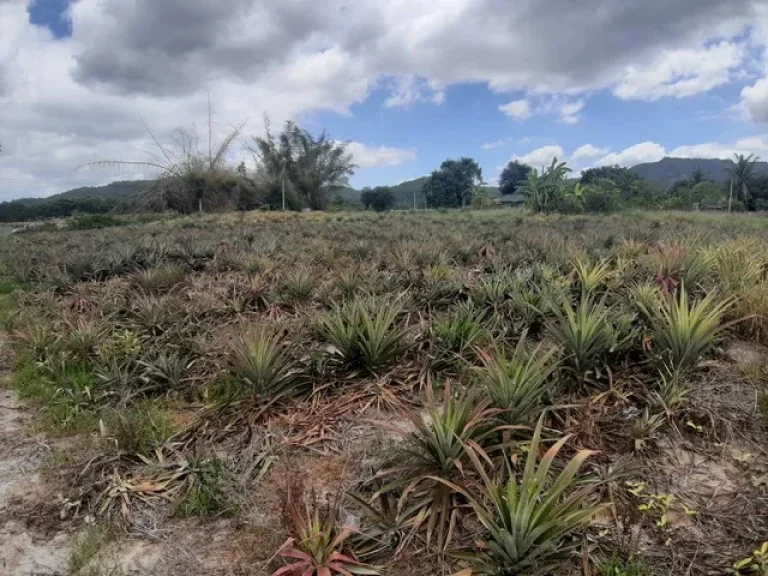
(407, 83)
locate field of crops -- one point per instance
(484, 392)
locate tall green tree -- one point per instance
(379, 199)
(513, 175)
(309, 167)
(453, 183)
(742, 172)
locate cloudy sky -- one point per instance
(407, 82)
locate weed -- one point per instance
(137, 430)
(86, 556)
(205, 494)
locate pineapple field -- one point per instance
(437, 393)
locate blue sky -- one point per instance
(408, 82)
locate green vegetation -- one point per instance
(444, 374)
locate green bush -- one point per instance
(93, 222)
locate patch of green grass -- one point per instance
(64, 392)
(86, 554)
(762, 406)
(205, 495)
(136, 430)
(93, 222)
(618, 568)
(6, 287)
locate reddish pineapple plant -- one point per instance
(317, 549)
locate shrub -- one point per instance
(363, 332)
(517, 384)
(93, 222)
(527, 520)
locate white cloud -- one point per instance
(67, 101)
(517, 109)
(370, 156)
(541, 156)
(588, 151)
(637, 154)
(409, 90)
(493, 145)
(681, 73)
(569, 111)
(755, 100)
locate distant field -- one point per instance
(411, 373)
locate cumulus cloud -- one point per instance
(637, 154)
(755, 100)
(409, 90)
(541, 156)
(517, 109)
(681, 73)
(588, 151)
(493, 145)
(370, 156)
(67, 101)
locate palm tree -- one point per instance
(742, 171)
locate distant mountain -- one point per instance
(115, 191)
(667, 171)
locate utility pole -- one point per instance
(730, 198)
(282, 178)
(414, 199)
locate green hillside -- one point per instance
(667, 171)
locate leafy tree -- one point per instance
(742, 172)
(514, 174)
(481, 198)
(308, 167)
(697, 177)
(544, 191)
(453, 183)
(380, 198)
(622, 177)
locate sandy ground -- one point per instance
(22, 553)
